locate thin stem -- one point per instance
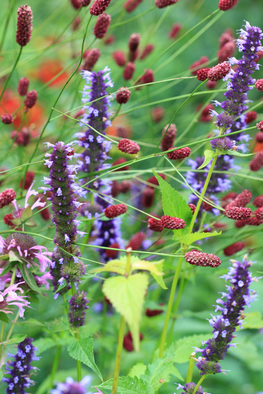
(200, 201)
(190, 371)
(116, 113)
(170, 305)
(198, 384)
(11, 73)
(121, 334)
(54, 368)
(118, 356)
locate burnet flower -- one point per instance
(65, 258)
(231, 305)
(239, 84)
(19, 369)
(9, 299)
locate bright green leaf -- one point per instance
(188, 239)
(137, 370)
(16, 222)
(26, 214)
(127, 296)
(116, 266)
(14, 257)
(147, 266)
(15, 339)
(236, 153)
(160, 371)
(173, 204)
(44, 344)
(253, 320)
(183, 348)
(30, 223)
(209, 155)
(29, 277)
(127, 385)
(158, 278)
(82, 350)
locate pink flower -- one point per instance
(9, 298)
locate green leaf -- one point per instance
(4, 317)
(158, 278)
(58, 325)
(152, 267)
(10, 266)
(1, 375)
(253, 320)
(160, 371)
(209, 155)
(248, 352)
(183, 348)
(44, 344)
(82, 350)
(4, 257)
(116, 266)
(29, 277)
(188, 239)
(128, 385)
(26, 214)
(16, 339)
(173, 204)
(30, 223)
(16, 222)
(236, 153)
(137, 370)
(32, 321)
(14, 257)
(127, 297)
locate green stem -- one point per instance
(200, 201)
(121, 333)
(54, 368)
(198, 384)
(116, 113)
(118, 356)
(190, 371)
(170, 305)
(6, 25)
(11, 73)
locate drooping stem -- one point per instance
(170, 305)
(11, 73)
(121, 334)
(198, 384)
(54, 368)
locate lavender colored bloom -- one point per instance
(223, 143)
(189, 388)
(9, 298)
(96, 102)
(64, 205)
(19, 369)
(78, 305)
(219, 182)
(72, 387)
(232, 118)
(238, 296)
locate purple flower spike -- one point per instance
(78, 305)
(239, 84)
(70, 386)
(20, 368)
(96, 103)
(238, 296)
(65, 262)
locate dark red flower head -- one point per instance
(172, 223)
(23, 86)
(24, 25)
(102, 25)
(128, 146)
(31, 99)
(123, 95)
(115, 210)
(164, 3)
(99, 6)
(129, 71)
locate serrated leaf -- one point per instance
(44, 344)
(128, 385)
(29, 277)
(58, 325)
(248, 352)
(183, 348)
(127, 296)
(147, 266)
(158, 278)
(173, 204)
(209, 155)
(82, 350)
(26, 214)
(160, 371)
(188, 239)
(116, 266)
(137, 370)
(236, 153)
(32, 321)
